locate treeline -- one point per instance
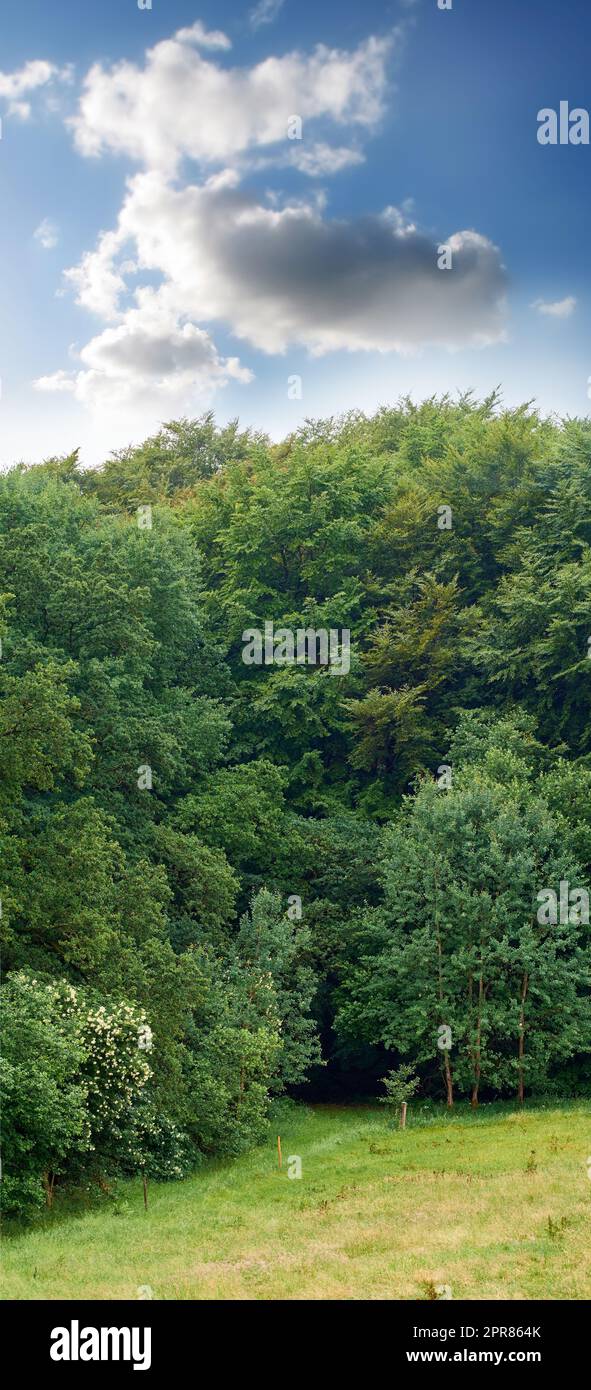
(222, 881)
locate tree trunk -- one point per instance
(49, 1184)
(448, 1081)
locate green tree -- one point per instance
(458, 945)
(274, 948)
(45, 1118)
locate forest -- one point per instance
(227, 882)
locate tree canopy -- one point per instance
(290, 876)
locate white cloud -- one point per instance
(98, 282)
(35, 74)
(151, 358)
(58, 381)
(320, 159)
(290, 275)
(265, 12)
(21, 109)
(47, 234)
(184, 104)
(184, 259)
(315, 160)
(202, 37)
(560, 309)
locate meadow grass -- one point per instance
(494, 1204)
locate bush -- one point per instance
(71, 1072)
(45, 1119)
(156, 1146)
(401, 1084)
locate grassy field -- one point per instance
(493, 1205)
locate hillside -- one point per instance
(295, 782)
(491, 1206)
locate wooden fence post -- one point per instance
(403, 1115)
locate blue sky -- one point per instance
(166, 247)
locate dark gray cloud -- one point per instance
(287, 275)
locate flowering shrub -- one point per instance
(116, 1068)
(153, 1144)
(71, 1073)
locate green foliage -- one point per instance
(122, 653)
(401, 1084)
(71, 1074)
(44, 1095)
(275, 949)
(155, 1146)
(458, 943)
